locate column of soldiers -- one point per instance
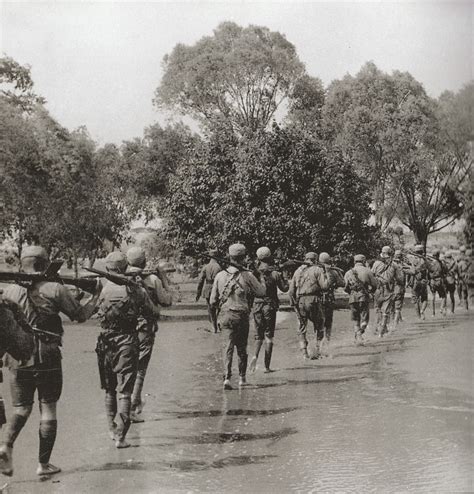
(31, 327)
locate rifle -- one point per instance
(118, 279)
(227, 262)
(317, 263)
(423, 256)
(50, 274)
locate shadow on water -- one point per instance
(231, 437)
(230, 413)
(180, 465)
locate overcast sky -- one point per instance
(98, 63)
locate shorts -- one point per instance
(450, 287)
(383, 300)
(264, 316)
(419, 292)
(399, 299)
(25, 381)
(437, 286)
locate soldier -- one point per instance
(452, 275)
(305, 292)
(418, 282)
(16, 338)
(158, 290)
(231, 297)
(360, 283)
(41, 304)
(388, 275)
(335, 280)
(437, 274)
(265, 308)
(463, 263)
(400, 285)
(120, 307)
(206, 279)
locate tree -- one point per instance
(17, 85)
(280, 188)
(238, 78)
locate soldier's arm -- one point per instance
(372, 281)
(282, 282)
(258, 288)
(149, 310)
(340, 282)
(322, 278)
(68, 305)
(163, 297)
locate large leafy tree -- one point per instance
(236, 78)
(390, 128)
(280, 188)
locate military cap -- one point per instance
(34, 251)
(116, 261)
(263, 253)
(236, 250)
(324, 257)
(311, 256)
(418, 248)
(136, 257)
(462, 248)
(359, 258)
(213, 252)
(436, 252)
(386, 251)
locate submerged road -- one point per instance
(393, 416)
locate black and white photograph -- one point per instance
(236, 247)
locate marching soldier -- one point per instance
(335, 280)
(437, 274)
(305, 292)
(388, 275)
(400, 284)
(147, 328)
(231, 297)
(265, 308)
(120, 307)
(452, 275)
(41, 304)
(360, 283)
(419, 278)
(206, 279)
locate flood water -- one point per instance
(393, 416)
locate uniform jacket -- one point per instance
(308, 280)
(206, 278)
(234, 290)
(388, 274)
(365, 277)
(273, 281)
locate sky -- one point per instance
(99, 63)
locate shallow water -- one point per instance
(392, 416)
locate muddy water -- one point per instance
(392, 416)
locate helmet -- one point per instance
(116, 261)
(263, 253)
(462, 248)
(324, 257)
(418, 248)
(136, 257)
(359, 258)
(311, 256)
(448, 255)
(436, 253)
(236, 250)
(386, 251)
(398, 254)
